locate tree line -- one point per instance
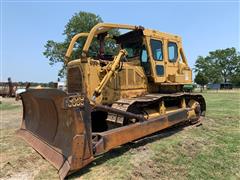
(34, 84)
(219, 66)
(222, 65)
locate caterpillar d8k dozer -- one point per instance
(110, 99)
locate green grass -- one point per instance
(210, 151)
(8, 106)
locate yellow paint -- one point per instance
(108, 84)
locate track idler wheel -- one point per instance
(194, 115)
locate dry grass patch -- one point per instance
(210, 151)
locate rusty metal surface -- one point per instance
(52, 155)
(130, 104)
(122, 135)
(8, 88)
(119, 112)
(58, 134)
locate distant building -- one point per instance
(62, 86)
(217, 86)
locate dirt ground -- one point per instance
(210, 151)
(17, 159)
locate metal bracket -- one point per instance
(73, 101)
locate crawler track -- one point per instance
(138, 104)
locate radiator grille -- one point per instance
(74, 80)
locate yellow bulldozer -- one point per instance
(111, 99)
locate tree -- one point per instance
(207, 67)
(80, 22)
(235, 78)
(226, 61)
(201, 79)
(220, 65)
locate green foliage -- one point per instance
(207, 67)
(235, 78)
(201, 79)
(80, 22)
(220, 66)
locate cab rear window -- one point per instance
(172, 51)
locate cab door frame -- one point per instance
(156, 63)
(172, 66)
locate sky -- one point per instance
(26, 26)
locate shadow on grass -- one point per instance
(116, 152)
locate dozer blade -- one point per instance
(60, 134)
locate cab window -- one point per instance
(172, 52)
(157, 50)
(144, 61)
(144, 57)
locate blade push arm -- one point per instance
(109, 74)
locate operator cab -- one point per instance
(153, 57)
(133, 42)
